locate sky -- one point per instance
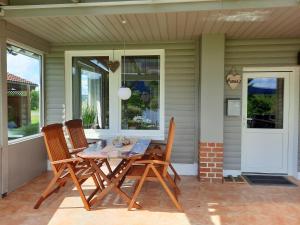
(267, 83)
(24, 66)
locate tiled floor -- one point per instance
(207, 204)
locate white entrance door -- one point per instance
(265, 122)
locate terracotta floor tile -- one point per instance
(204, 204)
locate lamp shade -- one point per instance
(124, 93)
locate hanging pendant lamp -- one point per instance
(124, 92)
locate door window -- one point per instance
(265, 103)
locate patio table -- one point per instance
(128, 155)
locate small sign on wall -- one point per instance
(233, 107)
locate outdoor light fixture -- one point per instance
(124, 92)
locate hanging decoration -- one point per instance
(233, 78)
(113, 64)
(124, 92)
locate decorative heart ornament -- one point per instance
(113, 65)
(233, 80)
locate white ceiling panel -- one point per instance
(265, 23)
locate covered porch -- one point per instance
(178, 58)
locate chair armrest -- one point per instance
(159, 162)
(76, 150)
(67, 161)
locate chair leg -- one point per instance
(165, 186)
(173, 184)
(78, 186)
(47, 192)
(139, 187)
(176, 175)
(96, 190)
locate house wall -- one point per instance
(21, 161)
(247, 53)
(26, 160)
(181, 94)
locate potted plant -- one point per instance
(89, 115)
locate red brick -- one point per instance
(211, 155)
(204, 170)
(220, 175)
(218, 150)
(203, 154)
(211, 175)
(217, 170)
(203, 175)
(205, 149)
(217, 160)
(203, 165)
(204, 160)
(211, 144)
(220, 154)
(220, 165)
(211, 162)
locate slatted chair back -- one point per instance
(56, 144)
(170, 141)
(76, 133)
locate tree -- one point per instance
(34, 100)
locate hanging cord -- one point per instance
(124, 63)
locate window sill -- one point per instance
(105, 134)
(23, 139)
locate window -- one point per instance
(92, 92)
(90, 79)
(265, 103)
(23, 92)
(141, 111)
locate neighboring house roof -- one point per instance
(18, 80)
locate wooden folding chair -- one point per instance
(157, 150)
(64, 166)
(156, 170)
(78, 139)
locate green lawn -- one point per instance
(35, 116)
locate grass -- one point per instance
(35, 116)
(30, 129)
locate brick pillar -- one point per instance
(211, 162)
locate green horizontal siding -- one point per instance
(181, 94)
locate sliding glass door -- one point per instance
(90, 79)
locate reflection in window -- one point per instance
(23, 92)
(265, 103)
(141, 111)
(90, 83)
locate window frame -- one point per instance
(114, 84)
(41, 94)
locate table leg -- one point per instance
(113, 183)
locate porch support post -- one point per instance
(211, 108)
(3, 111)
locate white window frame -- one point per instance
(114, 85)
(41, 95)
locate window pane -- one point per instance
(91, 91)
(265, 103)
(23, 92)
(142, 76)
